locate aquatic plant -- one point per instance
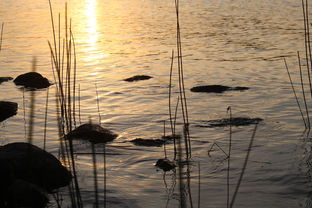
(304, 97)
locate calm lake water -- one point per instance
(228, 42)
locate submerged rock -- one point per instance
(148, 142)
(165, 164)
(216, 88)
(5, 79)
(30, 163)
(171, 137)
(32, 80)
(7, 109)
(137, 78)
(92, 132)
(24, 194)
(238, 121)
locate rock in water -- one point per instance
(216, 88)
(32, 80)
(34, 165)
(7, 109)
(236, 121)
(92, 132)
(5, 79)
(165, 164)
(148, 142)
(137, 78)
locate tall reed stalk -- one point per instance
(1, 35)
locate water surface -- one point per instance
(234, 43)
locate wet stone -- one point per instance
(165, 164)
(138, 78)
(148, 142)
(32, 80)
(5, 79)
(93, 133)
(238, 121)
(7, 109)
(216, 88)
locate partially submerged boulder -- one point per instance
(216, 88)
(5, 79)
(165, 164)
(7, 109)
(237, 121)
(27, 162)
(148, 142)
(93, 133)
(32, 80)
(137, 78)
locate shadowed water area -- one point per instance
(230, 43)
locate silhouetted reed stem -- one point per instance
(303, 91)
(32, 108)
(244, 167)
(104, 163)
(45, 120)
(229, 160)
(187, 142)
(96, 204)
(98, 102)
(295, 94)
(199, 192)
(1, 35)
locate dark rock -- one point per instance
(216, 88)
(165, 164)
(32, 80)
(148, 142)
(5, 79)
(34, 165)
(7, 109)
(238, 121)
(92, 132)
(240, 88)
(24, 194)
(171, 137)
(137, 78)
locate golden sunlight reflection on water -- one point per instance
(92, 33)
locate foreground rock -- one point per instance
(24, 194)
(93, 133)
(7, 109)
(137, 78)
(238, 121)
(5, 79)
(32, 80)
(29, 163)
(216, 88)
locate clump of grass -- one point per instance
(305, 97)
(63, 60)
